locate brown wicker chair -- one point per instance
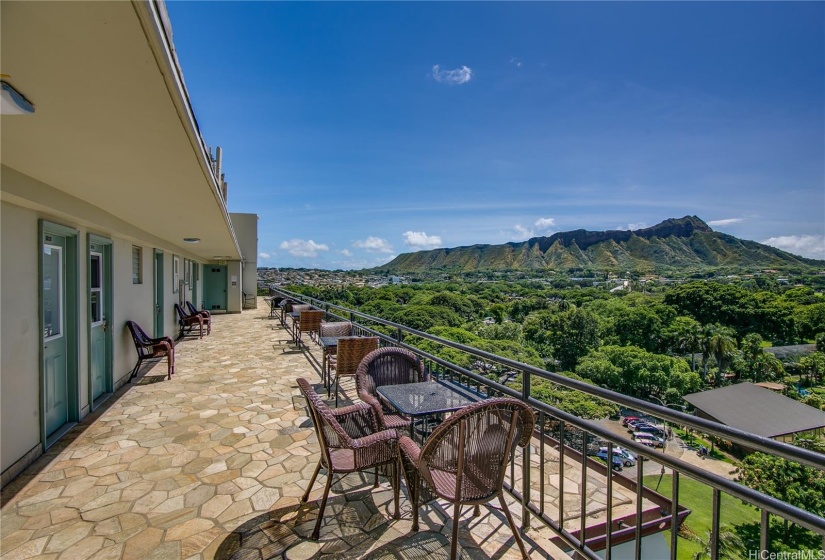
(152, 349)
(187, 322)
(387, 366)
(336, 329)
(351, 350)
(349, 443)
(465, 459)
(309, 322)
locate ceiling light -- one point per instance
(12, 101)
(191, 239)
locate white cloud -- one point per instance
(515, 61)
(541, 227)
(453, 77)
(374, 245)
(264, 255)
(301, 248)
(346, 252)
(811, 246)
(420, 240)
(544, 224)
(726, 221)
(632, 227)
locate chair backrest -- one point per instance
(471, 449)
(337, 328)
(181, 313)
(388, 366)
(192, 309)
(301, 307)
(310, 320)
(329, 432)
(351, 350)
(139, 337)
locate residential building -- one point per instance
(113, 209)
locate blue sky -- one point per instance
(359, 131)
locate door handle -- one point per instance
(105, 325)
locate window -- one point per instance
(137, 265)
(175, 273)
(187, 271)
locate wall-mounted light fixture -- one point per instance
(12, 101)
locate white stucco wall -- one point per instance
(246, 232)
(19, 334)
(25, 201)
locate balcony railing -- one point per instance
(653, 512)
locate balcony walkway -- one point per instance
(212, 464)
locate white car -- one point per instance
(625, 456)
(648, 439)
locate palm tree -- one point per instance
(730, 545)
(721, 345)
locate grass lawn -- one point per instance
(699, 499)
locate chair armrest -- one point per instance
(388, 436)
(375, 406)
(410, 449)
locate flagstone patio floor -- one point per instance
(212, 464)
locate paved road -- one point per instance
(675, 448)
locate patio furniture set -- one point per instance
(462, 460)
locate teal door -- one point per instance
(158, 293)
(214, 287)
(100, 309)
(55, 355)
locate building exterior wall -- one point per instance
(246, 232)
(19, 330)
(20, 368)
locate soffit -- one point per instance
(106, 128)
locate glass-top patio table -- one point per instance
(426, 398)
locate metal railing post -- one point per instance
(525, 466)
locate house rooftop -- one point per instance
(759, 411)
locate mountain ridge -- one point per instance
(675, 242)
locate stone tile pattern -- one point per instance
(212, 465)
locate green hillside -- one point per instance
(675, 243)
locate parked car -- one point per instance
(627, 419)
(657, 431)
(648, 439)
(627, 458)
(617, 461)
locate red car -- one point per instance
(627, 419)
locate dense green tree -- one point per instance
(570, 400)
(811, 321)
(639, 326)
(571, 335)
(801, 486)
(382, 308)
(455, 302)
(425, 317)
(636, 372)
(500, 331)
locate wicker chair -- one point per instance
(465, 459)
(309, 322)
(152, 349)
(336, 329)
(187, 322)
(207, 316)
(349, 443)
(387, 366)
(351, 350)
